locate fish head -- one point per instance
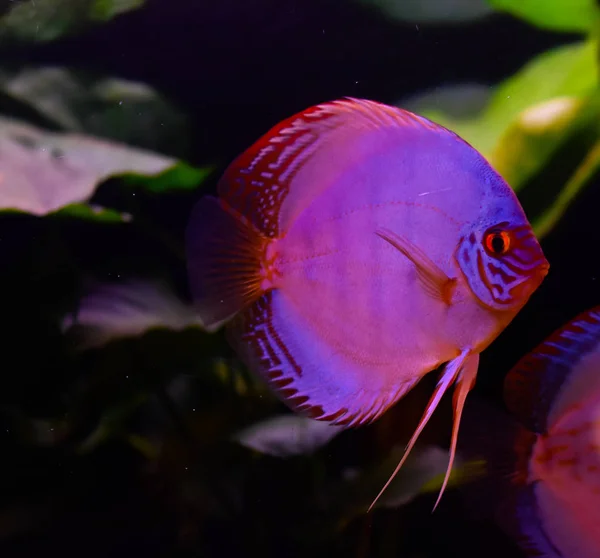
(498, 253)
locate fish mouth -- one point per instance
(536, 278)
(543, 269)
(531, 283)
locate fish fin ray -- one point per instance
(532, 385)
(272, 341)
(434, 281)
(448, 376)
(224, 255)
(464, 384)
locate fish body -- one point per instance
(353, 249)
(555, 394)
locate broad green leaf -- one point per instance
(179, 177)
(46, 20)
(570, 70)
(537, 134)
(531, 120)
(558, 15)
(42, 172)
(110, 108)
(589, 168)
(103, 10)
(550, 154)
(91, 212)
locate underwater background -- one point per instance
(125, 428)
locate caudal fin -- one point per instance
(224, 254)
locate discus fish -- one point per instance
(554, 392)
(353, 249)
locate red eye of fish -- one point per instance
(497, 242)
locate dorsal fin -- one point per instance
(258, 182)
(532, 386)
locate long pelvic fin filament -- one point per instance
(465, 382)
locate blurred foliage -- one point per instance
(566, 71)
(46, 20)
(548, 108)
(116, 109)
(73, 164)
(92, 212)
(559, 15)
(44, 171)
(432, 11)
(90, 169)
(128, 309)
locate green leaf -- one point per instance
(112, 422)
(570, 70)
(46, 20)
(539, 128)
(550, 154)
(42, 172)
(558, 15)
(93, 213)
(117, 109)
(539, 133)
(103, 10)
(179, 177)
(587, 170)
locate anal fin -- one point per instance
(275, 341)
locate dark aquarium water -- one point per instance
(128, 426)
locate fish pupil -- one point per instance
(497, 243)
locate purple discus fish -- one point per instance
(554, 392)
(353, 249)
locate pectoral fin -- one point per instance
(434, 281)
